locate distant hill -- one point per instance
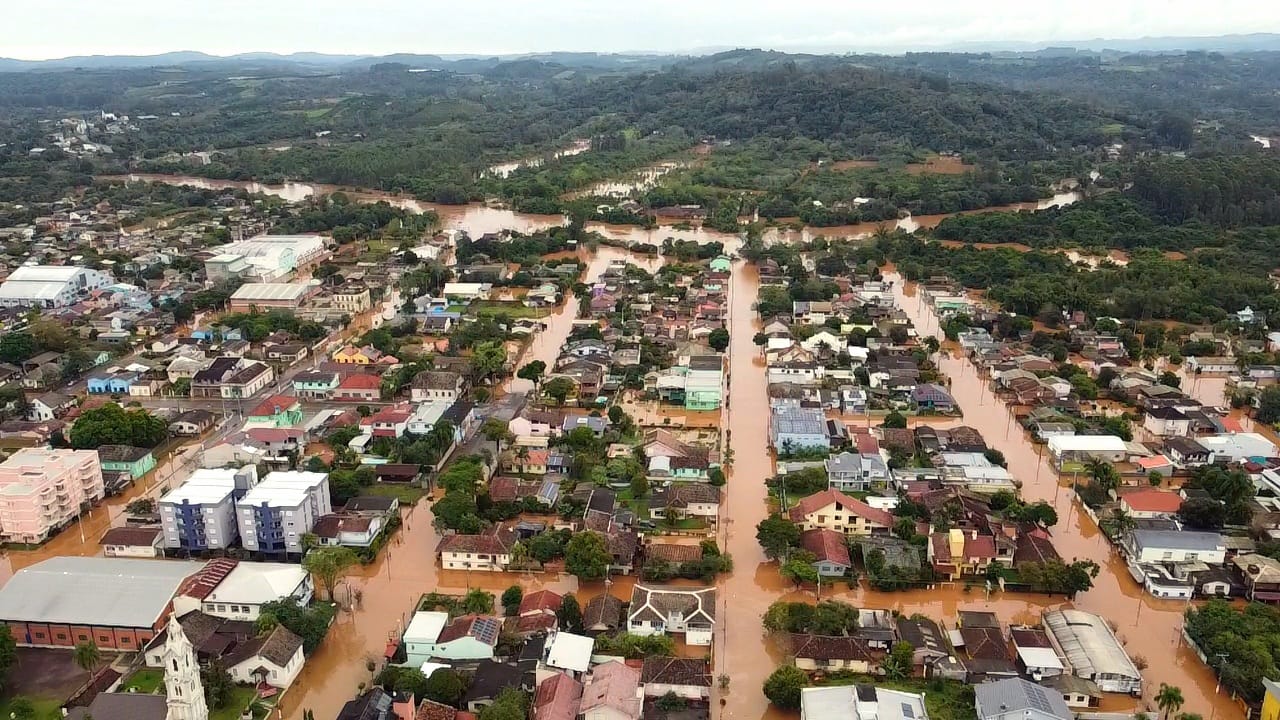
(610, 62)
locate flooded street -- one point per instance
(1150, 628)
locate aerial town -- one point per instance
(629, 415)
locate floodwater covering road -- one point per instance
(1149, 628)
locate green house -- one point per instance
(134, 461)
(721, 263)
(277, 411)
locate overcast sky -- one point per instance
(59, 28)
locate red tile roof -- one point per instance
(820, 500)
(363, 381)
(203, 582)
(1160, 501)
(827, 546)
(273, 404)
(540, 602)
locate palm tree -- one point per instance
(87, 656)
(1169, 699)
(1119, 522)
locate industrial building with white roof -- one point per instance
(50, 286)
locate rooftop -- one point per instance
(113, 592)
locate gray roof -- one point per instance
(1090, 646)
(115, 592)
(122, 706)
(1017, 695)
(799, 421)
(1177, 540)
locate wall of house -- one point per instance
(688, 692)
(474, 561)
(280, 677)
(131, 551)
(62, 635)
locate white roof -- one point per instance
(110, 592)
(458, 288)
(269, 291)
(1239, 446)
(1090, 646)
(425, 627)
(1039, 657)
(257, 583)
(46, 273)
(204, 487)
(283, 488)
(428, 668)
(570, 652)
(1086, 443)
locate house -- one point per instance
(602, 614)
(132, 541)
(1211, 365)
(1185, 452)
(1018, 699)
(358, 387)
(490, 679)
(925, 637)
(1151, 503)
(352, 355)
(666, 610)
(686, 500)
(431, 385)
(1037, 658)
(1163, 421)
(434, 635)
(538, 610)
(958, 553)
(315, 384)
(830, 550)
(191, 423)
(1270, 700)
(557, 698)
(276, 411)
(1092, 650)
(833, 510)
(132, 461)
(1075, 692)
(373, 704)
(1079, 448)
(792, 428)
(1261, 576)
(49, 406)
(565, 652)
(274, 659)
(491, 552)
(688, 678)
(855, 472)
(275, 515)
(234, 590)
(1173, 546)
(833, 653)
(931, 396)
(348, 530)
(612, 692)
(860, 702)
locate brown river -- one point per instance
(1150, 628)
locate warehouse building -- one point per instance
(116, 603)
(50, 286)
(277, 296)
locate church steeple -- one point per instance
(182, 677)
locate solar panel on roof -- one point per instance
(908, 711)
(486, 630)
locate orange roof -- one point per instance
(361, 381)
(820, 500)
(1232, 425)
(1155, 461)
(1153, 501)
(270, 405)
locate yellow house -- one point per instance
(1271, 701)
(833, 510)
(352, 355)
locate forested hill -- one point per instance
(868, 107)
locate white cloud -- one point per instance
(83, 27)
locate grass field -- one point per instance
(46, 708)
(146, 680)
(407, 494)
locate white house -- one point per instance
(1164, 421)
(660, 610)
(860, 702)
(240, 593)
(1066, 448)
(489, 553)
(1174, 546)
(274, 659)
(420, 637)
(466, 291)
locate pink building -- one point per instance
(42, 490)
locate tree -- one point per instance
(141, 506)
(799, 568)
(328, 565)
(511, 598)
(444, 686)
(587, 556)
(1202, 513)
(718, 339)
(496, 432)
(477, 601)
(487, 359)
(894, 419)
(777, 535)
(21, 708)
(1269, 405)
(87, 656)
(1169, 699)
(311, 623)
(8, 656)
(995, 457)
(569, 616)
(218, 686)
(532, 371)
(509, 705)
(760, 339)
(784, 685)
(113, 425)
(559, 389)
(900, 661)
